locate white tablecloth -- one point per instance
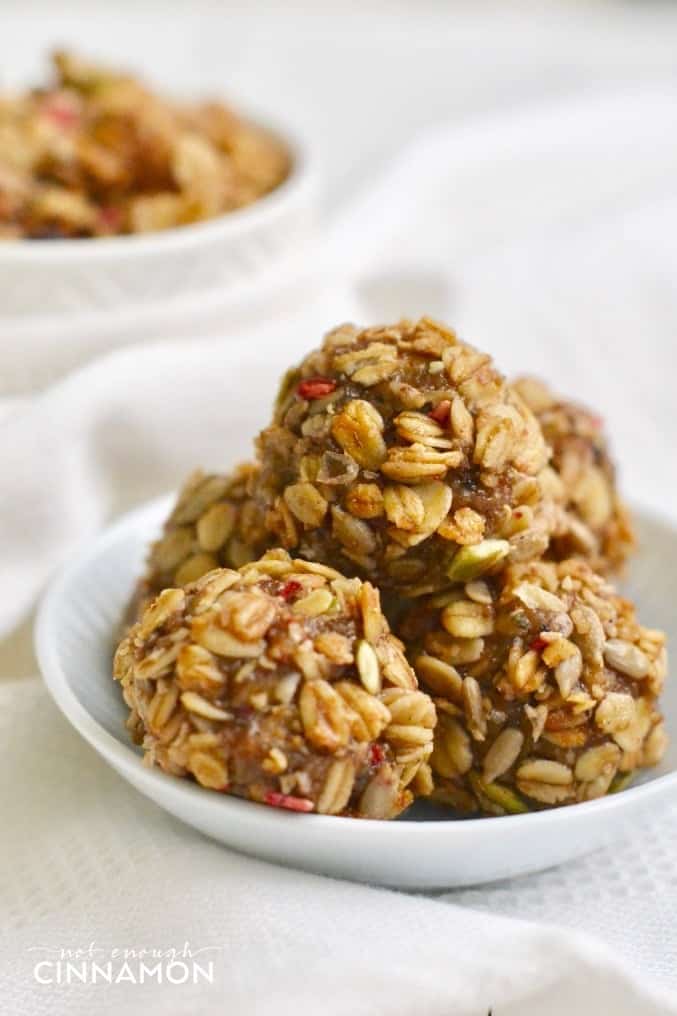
(549, 234)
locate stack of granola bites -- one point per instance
(400, 460)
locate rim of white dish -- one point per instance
(229, 225)
(127, 759)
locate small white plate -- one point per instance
(424, 849)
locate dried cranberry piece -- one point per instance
(110, 218)
(315, 388)
(61, 110)
(440, 414)
(277, 800)
(290, 589)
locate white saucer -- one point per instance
(424, 849)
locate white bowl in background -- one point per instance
(424, 849)
(62, 302)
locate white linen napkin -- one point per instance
(551, 238)
(90, 862)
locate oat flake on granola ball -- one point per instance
(281, 683)
(545, 686)
(400, 454)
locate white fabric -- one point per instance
(92, 861)
(551, 237)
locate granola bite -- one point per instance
(97, 153)
(595, 523)
(545, 686)
(214, 523)
(281, 683)
(400, 454)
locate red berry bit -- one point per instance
(315, 388)
(290, 589)
(538, 644)
(276, 800)
(440, 414)
(61, 109)
(376, 755)
(110, 219)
